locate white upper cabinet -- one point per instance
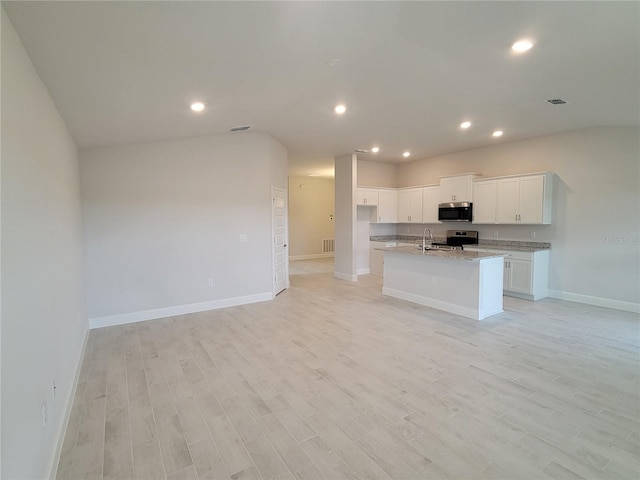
(430, 201)
(410, 205)
(525, 199)
(366, 196)
(458, 188)
(387, 206)
(484, 201)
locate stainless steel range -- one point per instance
(457, 239)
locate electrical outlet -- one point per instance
(532, 234)
(210, 282)
(495, 233)
(243, 239)
(45, 414)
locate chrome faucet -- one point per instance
(424, 238)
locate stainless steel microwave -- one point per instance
(455, 212)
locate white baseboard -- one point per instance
(362, 271)
(59, 439)
(597, 301)
(311, 257)
(345, 276)
(438, 304)
(154, 314)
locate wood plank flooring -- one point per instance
(332, 380)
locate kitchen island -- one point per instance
(461, 282)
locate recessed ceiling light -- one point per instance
(340, 109)
(497, 133)
(522, 46)
(465, 124)
(375, 149)
(406, 154)
(197, 106)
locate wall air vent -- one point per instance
(241, 128)
(556, 101)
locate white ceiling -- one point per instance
(409, 72)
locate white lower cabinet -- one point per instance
(518, 275)
(526, 274)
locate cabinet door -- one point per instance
(531, 199)
(519, 276)
(464, 188)
(447, 190)
(430, 201)
(410, 205)
(387, 206)
(484, 202)
(456, 189)
(508, 198)
(366, 196)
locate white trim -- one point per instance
(344, 276)
(363, 271)
(311, 257)
(59, 438)
(154, 314)
(597, 301)
(438, 304)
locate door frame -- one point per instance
(286, 237)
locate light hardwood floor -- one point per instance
(333, 380)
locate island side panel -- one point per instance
(491, 285)
(446, 284)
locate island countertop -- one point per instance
(446, 254)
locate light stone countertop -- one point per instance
(446, 254)
(490, 244)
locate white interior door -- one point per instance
(279, 222)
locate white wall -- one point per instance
(161, 219)
(596, 216)
(43, 319)
(311, 203)
(376, 174)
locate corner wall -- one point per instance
(44, 322)
(161, 220)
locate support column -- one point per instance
(346, 174)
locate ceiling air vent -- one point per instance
(361, 150)
(241, 128)
(556, 101)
